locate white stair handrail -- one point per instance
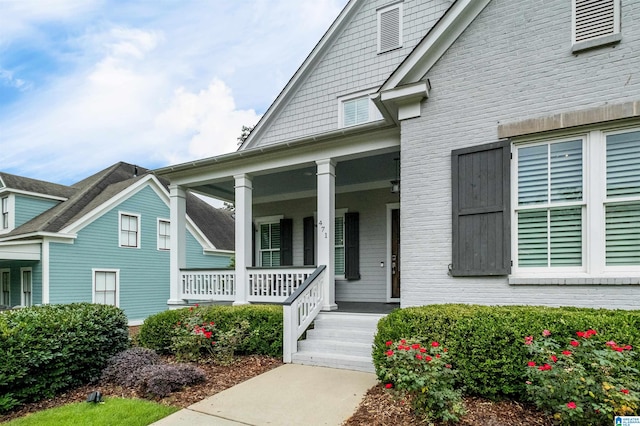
(300, 309)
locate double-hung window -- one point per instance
(577, 205)
(129, 230)
(5, 287)
(26, 284)
(5, 212)
(105, 287)
(269, 244)
(164, 239)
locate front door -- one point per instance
(395, 253)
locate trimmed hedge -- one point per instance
(486, 343)
(48, 349)
(265, 327)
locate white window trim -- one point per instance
(23, 301)
(93, 284)
(614, 37)
(160, 220)
(265, 220)
(380, 11)
(139, 233)
(2, 272)
(11, 208)
(374, 113)
(594, 200)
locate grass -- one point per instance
(114, 411)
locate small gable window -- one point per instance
(164, 239)
(357, 109)
(129, 230)
(595, 23)
(389, 27)
(5, 212)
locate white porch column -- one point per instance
(178, 241)
(244, 234)
(326, 225)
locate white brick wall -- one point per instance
(352, 64)
(514, 62)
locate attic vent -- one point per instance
(593, 19)
(390, 27)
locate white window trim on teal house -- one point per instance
(594, 24)
(259, 221)
(593, 207)
(365, 110)
(24, 299)
(5, 287)
(7, 213)
(138, 231)
(393, 28)
(164, 234)
(94, 291)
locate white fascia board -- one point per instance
(301, 74)
(443, 34)
(32, 194)
(18, 251)
(221, 252)
(288, 155)
(404, 101)
(36, 236)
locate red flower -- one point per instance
(207, 334)
(437, 355)
(447, 366)
(423, 350)
(591, 332)
(415, 346)
(575, 343)
(403, 341)
(389, 352)
(610, 343)
(211, 323)
(571, 405)
(213, 343)
(388, 385)
(197, 305)
(628, 347)
(427, 358)
(546, 333)
(580, 333)
(531, 364)
(554, 358)
(528, 340)
(618, 349)
(389, 343)
(625, 391)
(418, 356)
(566, 353)
(435, 344)
(544, 367)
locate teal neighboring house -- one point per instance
(105, 239)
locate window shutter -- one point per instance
(594, 18)
(481, 210)
(286, 242)
(352, 246)
(309, 240)
(389, 27)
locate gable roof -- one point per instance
(96, 190)
(35, 186)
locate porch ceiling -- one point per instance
(376, 169)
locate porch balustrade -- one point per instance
(265, 285)
(300, 309)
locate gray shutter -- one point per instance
(352, 246)
(286, 242)
(309, 240)
(481, 210)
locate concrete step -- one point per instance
(345, 362)
(347, 321)
(335, 347)
(351, 335)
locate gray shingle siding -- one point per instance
(513, 62)
(351, 65)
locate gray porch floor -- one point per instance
(366, 307)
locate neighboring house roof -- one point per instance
(35, 186)
(90, 193)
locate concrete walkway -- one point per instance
(288, 395)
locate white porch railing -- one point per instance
(300, 309)
(275, 285)
(208, 285)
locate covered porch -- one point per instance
(298, 207)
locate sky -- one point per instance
(87, 83)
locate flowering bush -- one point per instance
(425, 375)
(585, 382)
(198, 340)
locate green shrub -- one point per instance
(586, 381)
(50, 348)
(265, 327)
(486, 341)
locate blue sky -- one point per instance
(87, 83)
